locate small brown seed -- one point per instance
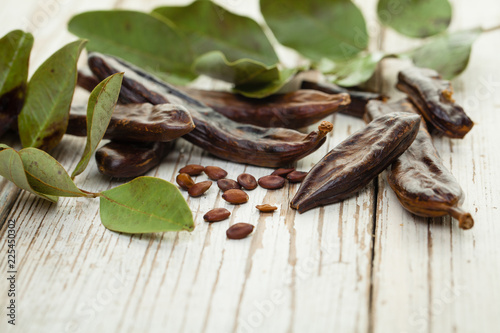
(199, 188)
(216, 215)
(235, 196)
(296, 176)
(228, 184)
(247, 181)
(272, 182)
(192, 169)
(184, 180)
(239, 230)
(282, 172)
(266, 208)
(215, 173)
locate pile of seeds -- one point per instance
(233, 191)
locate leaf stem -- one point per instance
(90, 194)
(491, 29)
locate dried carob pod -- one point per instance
(220, 136)
(421, 182)
(433, 97)
(357, 160)
(130, 159)
(358, 98)
(292, 110)
(138, 122)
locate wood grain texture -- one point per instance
(321, 271)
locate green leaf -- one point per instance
(102, 102)
(448, 54)
(15, 48)
(317, 28)
(146, 204)
(351, 72)
(266, 89)
(251, 78)
(11, 168)
(44, 117)
(148, 41)
(415, 18)
(210, 27)
(46, 175)
(14, 58)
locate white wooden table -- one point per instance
(364, 265)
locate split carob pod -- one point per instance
(353, 163)
(433, 97)
(359, 98)
(292, 110)
(421, 182)
(218, 135)
(130, 159)
(138, 122)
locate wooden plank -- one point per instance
(430, 276)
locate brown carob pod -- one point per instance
(138, 122)
(423, 185)
(216, 215)
(228, 184)
(200, 188)
(247, 181)
(292, 110)
(433, 97)
(130, 159)
(353, 163)
(192, 169)
(218, 135)
(358, 98)
(184, 181)
(239, 230)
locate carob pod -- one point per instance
(130, 159)
(358, 98)
(292, 110)
(220, 136)
(433, 97)
(421, 182)
(353, 163)
(138, 122)
(11, 104)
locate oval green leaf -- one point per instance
(210, 27)
(44, 117)
(11, 168)
(14, 59)
(351, 72)
(317, 28)
(415, 18)
(102, 102)
(448, 54)
(146, 204)
(46, 175)
(148, 41)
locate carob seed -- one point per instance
(235, 196)
(272, 182)
(228, 184)
(282, 172)
(185, 181)
(266, 208)
(247, 181)
(199, 188)
(215, 173)
(192, 169)
(296, 176)
(239, 230)
(216, 215)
